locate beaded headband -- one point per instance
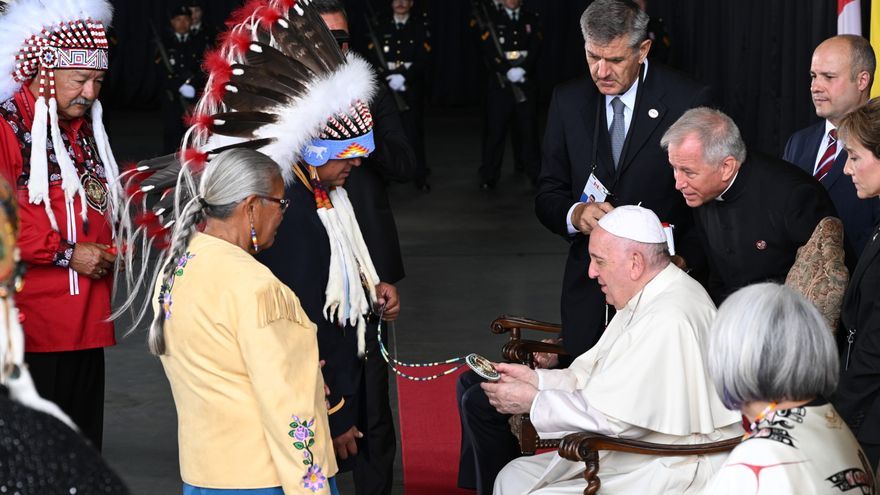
(345, 135)
(69, 45)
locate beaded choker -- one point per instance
(753, 427)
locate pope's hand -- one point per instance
(511, 372)
(513, 397)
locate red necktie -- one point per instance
(828, 157)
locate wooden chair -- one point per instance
(519, 350)
(585, 447)
(578, 447)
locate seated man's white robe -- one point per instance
(646, 380)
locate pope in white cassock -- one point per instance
(645, 378)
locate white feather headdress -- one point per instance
(278, 83)
(38, 37)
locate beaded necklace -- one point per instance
(753, 427)
(394, 364)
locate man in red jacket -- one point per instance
(65, 198)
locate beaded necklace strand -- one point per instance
(394, 364)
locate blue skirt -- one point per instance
(192, 490)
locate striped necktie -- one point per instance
(828, 157)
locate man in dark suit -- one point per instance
(635, 103)
(752, 213)
(841, 71)
(583, 138)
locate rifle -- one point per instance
(370, 17)
(163, 55)
(518, 94)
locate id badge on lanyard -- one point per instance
(594, 190)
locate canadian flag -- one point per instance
(849, 17)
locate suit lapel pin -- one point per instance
(761, 245)
(653, 113)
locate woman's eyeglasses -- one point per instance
(282, 203)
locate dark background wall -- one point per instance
(754, 53)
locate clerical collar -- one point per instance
(628, 98)
(401, 19)
(721, 196)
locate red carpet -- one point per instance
(430, 433)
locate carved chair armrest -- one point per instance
(585, 447)
(520, 351)
(576, 446)
(513, 324)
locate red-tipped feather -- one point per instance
(220, 70)
(268, 16)
(201, 121)
(133, 185)
(146, 219)
(192, 155)
(235, 41)
(215, 63)
(246, 10)
(194, 159)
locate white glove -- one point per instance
(396, 82)
(516, 75)
(187, 91)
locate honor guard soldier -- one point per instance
(181, 54)
(405, 45)
(199, 28)
(511, 40)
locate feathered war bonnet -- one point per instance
(38, 37)
(278, 83)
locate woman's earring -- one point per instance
(254, 239)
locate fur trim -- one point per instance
(26, 18)
(21, 388)
(350, 262)
(111, 169)
(70, 183)
(303, 121)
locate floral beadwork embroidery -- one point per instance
(165, 290)
(303, 438)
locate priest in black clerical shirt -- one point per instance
(752, 213)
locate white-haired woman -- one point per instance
(238, 350)
(772, 357)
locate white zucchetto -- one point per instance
(634, 223)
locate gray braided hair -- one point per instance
(229, 179)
